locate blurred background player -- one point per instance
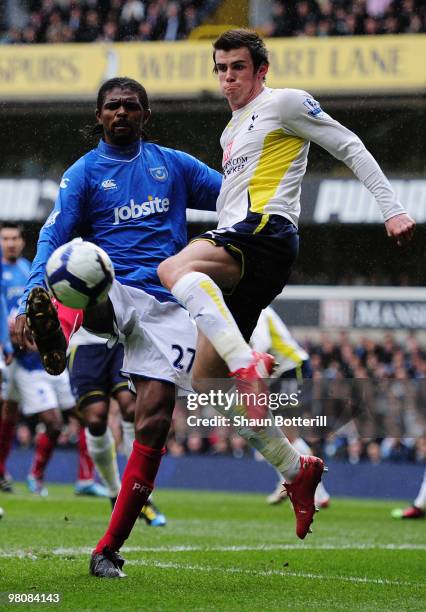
(28, 385)
(272, 336)
(418, 509)
(95, 374)
(6, 356)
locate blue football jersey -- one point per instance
(131, 201)
(4, 329)
(14, 278)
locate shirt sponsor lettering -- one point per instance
(136, 211)
(235, 165)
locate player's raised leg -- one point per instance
(196, 277)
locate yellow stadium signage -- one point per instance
(337, 66)
(357, 64)
(51, 71)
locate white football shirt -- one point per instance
(265, 151)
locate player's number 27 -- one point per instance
(183, 355)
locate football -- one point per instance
(79, 274)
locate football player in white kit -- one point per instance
(228, 275)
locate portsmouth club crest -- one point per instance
(160, 173)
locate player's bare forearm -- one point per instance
(400, 228)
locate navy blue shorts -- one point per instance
(95, 372)
(300, 373)
(266, 254)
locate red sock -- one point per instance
(70, 319)
(43, 452)
(86, 469)
(137, 484)
(7, 431)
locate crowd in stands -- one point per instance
(346, 17)
(62, 21)
(85, 21)
(394, 374)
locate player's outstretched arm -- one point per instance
(58, 227)
(400, 228)
(304, 117)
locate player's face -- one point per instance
(122, 116)
(238, 80)
(12, 243)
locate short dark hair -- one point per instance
(123, 83)
(242, 37)
(13, 225)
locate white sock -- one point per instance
(102, 451)
(321, 494)
(420, 501)
(275, 448)
(128, 437)
(271, 444)
(301, 446)
(204, 300)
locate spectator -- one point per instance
(109, 32)
(354, 451)
(373, 452)
(156, 20)
(377, 8)
(190, 19)
(89, 29)
(174, 26)
(132, 14)
(133, 10)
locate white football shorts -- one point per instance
(36, 390)
(159, 337)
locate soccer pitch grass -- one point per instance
(218, 552)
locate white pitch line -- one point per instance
(83, 550)
(263, 573)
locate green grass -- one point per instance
(218, 552)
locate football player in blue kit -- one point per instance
(6, 355)
(30, 387)
(129, 196)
